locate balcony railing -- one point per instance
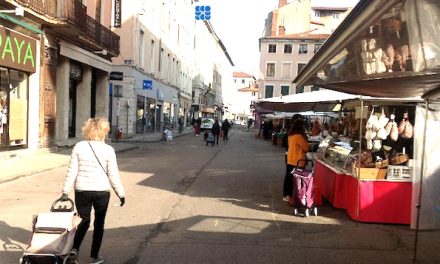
(103, 35)
(74, 13)
(41, 7)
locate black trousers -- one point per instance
(216, 138)
(288, 181)
(84, 201)
(225, 134)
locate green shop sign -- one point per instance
(17, 51)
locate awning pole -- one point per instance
(422, 170)
(358, 174)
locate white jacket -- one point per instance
(85, 172)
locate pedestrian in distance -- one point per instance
(249, 124)
(197, 126)
(298, 146)
(216, 130)
(92, 171)
(180, 123)
(225, 128)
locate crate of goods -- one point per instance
(369, 173)
(399, 172)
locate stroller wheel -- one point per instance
(306, 212)
(315, 211)
(70, 260)
(295, 211)
(24, 260)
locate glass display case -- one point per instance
(322, 148)
(390, 47)
(339, 155)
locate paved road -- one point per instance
(188, 203)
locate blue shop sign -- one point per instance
(147, 85)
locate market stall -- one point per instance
(388, 48)
(365, 168)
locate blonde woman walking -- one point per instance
(92, 171)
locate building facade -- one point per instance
(155, 67)
(293, 34)
(240, 103)
(282, 58)
(46, 104)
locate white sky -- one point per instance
(240, 23)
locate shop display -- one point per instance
(381, 50)
(384, 144)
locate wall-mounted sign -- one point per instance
(147, 85)
(159, 95)
(117, 17)
(203, 12)
(116, 76)
(17, 51)
(75, 72)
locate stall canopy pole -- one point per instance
(358, 174)
(422, 170)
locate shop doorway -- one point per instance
(158, 115)
(140, 114)
(72, 108)
(14, 86)
(93, 94)
(150, 114)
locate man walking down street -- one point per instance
(216, 130)
(225, 127)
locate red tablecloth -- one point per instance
(379, 201)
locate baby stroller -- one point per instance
(210, 139)
(52, 235)
(303, 189)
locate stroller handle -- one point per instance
(64, 208)
(305, 161)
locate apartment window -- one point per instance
(235, 80)
(300, 89)
(302, 48)
(315, 88)
(160, 59)
(242, 81)
(152, 56)
(316, 47)
(317, 14)
(284, 90)
(272, 48)
(287, 48)
(141, 48)
(286, 69)
(300, 67)
(253, 93)
(268, 91)
(336, 15)
(168, 69)
(270, 72)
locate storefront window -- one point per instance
(13, 108)
(150, 114)
(167, 115)
(140, 114)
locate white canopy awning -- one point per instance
(323, 101)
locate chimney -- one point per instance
(282, 3)
(281, 31)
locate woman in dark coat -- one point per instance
(216, 130)
(225, 128)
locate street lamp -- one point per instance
(18, 11)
